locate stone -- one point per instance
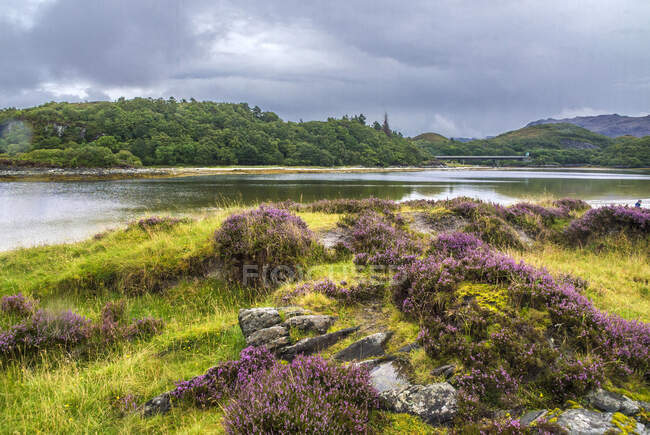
(532, 416)
(386, 376)
(372, 345)
(308, 346)
(289, 312)
(447, 371)
(609, 401)
(435, 404)
(272, 338)
(160, 404)
(317, 323)
(254, 319)
(409, 347)
(584, 422)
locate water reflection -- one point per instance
(32, 213)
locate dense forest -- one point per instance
(145, 131)
(549, 144)
(170, 132)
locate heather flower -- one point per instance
(17, 305)
(310, 395)
(634, 222)
(264, 238)
(155, 222)
(571, 204)
(359, 292)
(352, 205)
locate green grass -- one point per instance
(160, 274)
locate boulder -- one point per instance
(310, 345)
(254, 319)
(609, 401)
(372, 345)
(531, 416)
(292, 311)
(386, 376)
(584, 422)
(447, 371)
(317, 323)
(434, 403)
(160, 404)
(272, 338)
(409, 347)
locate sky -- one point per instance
(466, 68)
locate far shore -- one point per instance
(81, 174)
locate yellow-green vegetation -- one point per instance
(625, 424)
(490, 297)
(619, 279)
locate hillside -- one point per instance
(170, 132)
(549, 144)
(609, 125)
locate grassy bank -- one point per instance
(166, 269)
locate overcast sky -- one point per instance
(460, 68)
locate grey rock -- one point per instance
(160, 404)
(254, 319)
(317, 323)
(273, 337)
(310, 345)
(447, 371)
(371, 364)
(289, 312)
(434, 403)
(532, 416)
(609, 401)
(386, 376)
(584, 422)
(372, 345)
(409, 347)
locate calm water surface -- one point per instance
(33, 213)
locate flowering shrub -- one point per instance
(454, 326)
(455, 244)
(17, 305)
(310, 395)
(158, 222)
(45, 330)
(379, 239)
(634, 222)
(359, 292)
(351, 205)
(571, 204)
(266, 239)
(495, 231)
(223, 380)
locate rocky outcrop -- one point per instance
(254, 319)
(316, 323)
(387, 376)
(160, 404)
(311, 345)
(434, 403)
(272, 338)
(609, 401)
(372, 345)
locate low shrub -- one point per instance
(16, 305)
(633, 222)
(263, 246)
(356, 293)
(66, 331)
(571, 204)
(351, 205)
(498, 345)
(495, 231)
(310, 395)
(158, 222)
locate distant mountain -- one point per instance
(609, 125)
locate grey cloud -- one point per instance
(462, 67)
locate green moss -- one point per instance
(422, 365)
(489, 297)
(625, 424)
(388, 423)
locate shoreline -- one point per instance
(107, 174)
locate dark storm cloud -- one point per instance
(458, 67)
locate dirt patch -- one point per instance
(445, 224)
(331, 238)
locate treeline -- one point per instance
(550, 144)
(169, 132)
